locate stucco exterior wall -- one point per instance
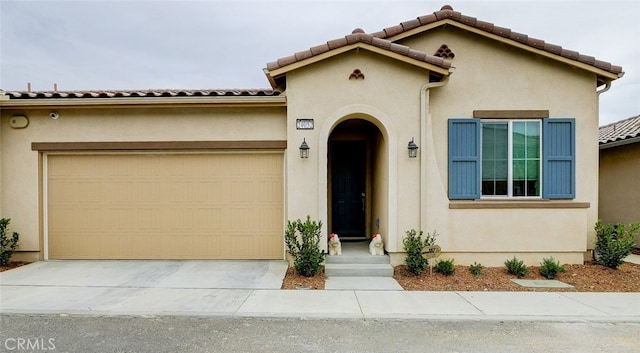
(619, 171)
(19, 164)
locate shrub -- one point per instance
(7, 245)
(413, 245)
(446, 267)
(476, 269)
(613, 243)
(550, 269)
(516, 267)
(303, 243)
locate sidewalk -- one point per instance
(520, 306)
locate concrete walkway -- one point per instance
(206, 288)
(634, 259)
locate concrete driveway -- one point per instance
(149, 274)
(135, 287)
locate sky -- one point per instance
(207, 44)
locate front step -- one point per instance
(358, 270)
(357, 259)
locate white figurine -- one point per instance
(376, 247)
(335, 248)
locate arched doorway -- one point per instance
(354, 193)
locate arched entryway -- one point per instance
(356, 182)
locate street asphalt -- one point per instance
(247, 289)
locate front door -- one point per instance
(348, 185)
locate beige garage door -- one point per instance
(165, 206)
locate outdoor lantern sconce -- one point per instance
(304, 149)
(413, 149)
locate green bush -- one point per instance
(413, 245)
(7, 245)
(613, 243)
(550, 269)
(446, 267)
(303, 243)
(476, 269)
(516, 267)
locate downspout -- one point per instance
(425, 126)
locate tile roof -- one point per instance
(139, 93)
(620, 131)
(358, 36)
(447, 13)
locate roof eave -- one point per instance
(226, 101)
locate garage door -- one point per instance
(165, 206)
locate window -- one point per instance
(511, 158)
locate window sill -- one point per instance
(485, 204)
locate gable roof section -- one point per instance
(357, 39)
(620, 133)
(605, 71)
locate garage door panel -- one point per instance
(174, 206)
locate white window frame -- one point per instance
(510, 159)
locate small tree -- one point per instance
(7, 245)
(303, 243)
(613, 243)
(413, 245)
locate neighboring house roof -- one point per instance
(605, 70)
(620, 133)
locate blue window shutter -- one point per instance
(559, 159)
(464, 159)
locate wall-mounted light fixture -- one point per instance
(413, 149)
(304, 149)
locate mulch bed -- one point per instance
(589, 277)
(13, 264)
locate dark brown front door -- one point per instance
(348, 182)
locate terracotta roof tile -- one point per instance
(570, 54)
(337, 43)
(620, 131)
(552, 48)
(468, 20)
(502, 31)
(303, 55)
(392, 31)
(358, 36)
(589, 60)
(410, 24)
(425, 20)
(139, 93)
(519, 37)
(447, 12)
(381, 43)
(536, 43)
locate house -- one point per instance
(620, 168)
(442, 123)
